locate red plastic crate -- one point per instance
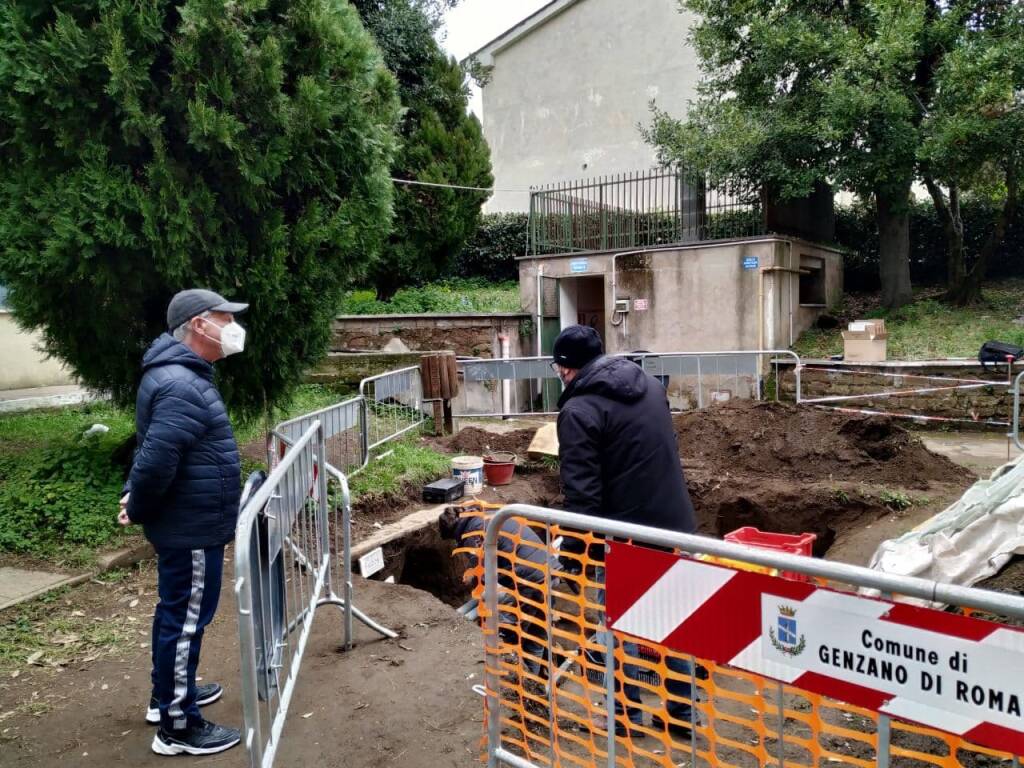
(794, 544)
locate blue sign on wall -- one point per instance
(579, 265)
(750, 262)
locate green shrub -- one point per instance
(451, 297)
(491, 253)
(61, 496)
(149, 147)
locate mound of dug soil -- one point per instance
(778, 440)
(476, 442)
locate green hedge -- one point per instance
(857, 232)
(491, 253)
(451, 296)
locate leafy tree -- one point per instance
(974, 138)
(819, 90)
(150, 146)
(441, 144)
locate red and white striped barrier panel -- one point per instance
(956, 674)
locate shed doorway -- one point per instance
(581, 302)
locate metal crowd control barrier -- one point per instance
(282, 560)
(344, 426)
(527, 386)
(1015, 429)
(288, 544)
(393, 405)
(864, 403)
(688, 710)
(340, 421)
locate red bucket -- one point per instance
(499, 468)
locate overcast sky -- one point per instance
(472, 23)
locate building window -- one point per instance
(812, 281)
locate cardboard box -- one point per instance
(865, 341)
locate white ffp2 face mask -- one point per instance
(232, 338)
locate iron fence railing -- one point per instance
(640, 210)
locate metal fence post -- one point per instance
(346, 559)
(493, 680)
(1015, 433)
(609, 691)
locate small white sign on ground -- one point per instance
(371, 563)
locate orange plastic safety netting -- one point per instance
(549, 660)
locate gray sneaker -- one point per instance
(204, 738)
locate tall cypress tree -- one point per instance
(147, 146)
(440, 143)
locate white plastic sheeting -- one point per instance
(969, 541)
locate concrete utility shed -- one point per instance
(751, 293)
(659, 262)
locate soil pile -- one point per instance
(476, 442)
(749, 438)
(786, 469)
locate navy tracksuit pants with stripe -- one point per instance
(188, 582)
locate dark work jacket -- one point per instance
(617, 448)
(185, 480)
(529, 552)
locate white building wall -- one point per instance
(565, 101)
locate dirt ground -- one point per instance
(407, 702)
(851, 480)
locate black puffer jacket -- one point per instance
(185, 480)
(617, 447)
(529, 553)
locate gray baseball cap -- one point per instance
(187, 304)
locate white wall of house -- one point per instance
(567, 93)
(22, 364)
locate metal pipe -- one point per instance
(609, 692)
(1015, 434)
(506, 391)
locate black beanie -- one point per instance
(576, 346)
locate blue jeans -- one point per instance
(682, 692)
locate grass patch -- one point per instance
(929, 328)
(307, 398)
(407, 464)
(31, 429)
(449, 296)
(59, 489)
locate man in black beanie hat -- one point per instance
(617, 445)
(619, 460)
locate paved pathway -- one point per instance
(14, 400)
(980, 452)
(18, 585)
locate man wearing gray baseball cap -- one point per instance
(184, 489)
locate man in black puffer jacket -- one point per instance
(620, 460)
(616, 442)
(184, 488)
